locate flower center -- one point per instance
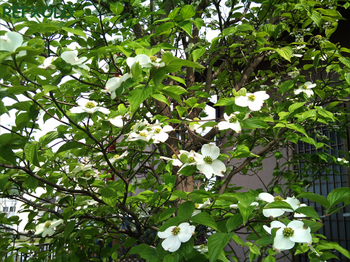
(116, 156)
(196, 118)
(174, 156)
(158, 130)
(288, 232)
(190, 160)
(202, 246)
(251, 98)
(175, 231)
(153, 58)
(196, 205)
(47, 224)
(88, 175)
(278, 198)
(90, 105)
(143, 134)
(233, 119)
(304, 87)
(208, 160)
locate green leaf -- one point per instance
(286, 52)
(229, 30)
(345, 61)
(198, 53)
(68, 146)
(173, 92)
(145, 251)
(186, 209)
(216, 244)
(31, 152)
(7, 154)
(264, 241)
(205, 219)
(254, 122)
(158, 76)
(69, 228)
(226, 101)
(245, 27)
(295, 106)
(187, 27)
(298, 128)
(347, 77)
(187, 12)
(339, 195)
(164, 28)
(167, 213)
(136, 70)
(315, 198)
(278, 204)
(286, 86)
(233, 222)
(160, 98)
(316, 60)
(333, 245)
(74, 31)
(137, 96)
(48, 88)
(313, 225)
(178, 79)
(308, 211)
(269, 259)
(245, 211)
(316, 17)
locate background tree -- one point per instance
(124, 85)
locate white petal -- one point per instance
(206, 169)
(282, 243)
(117, 121)
(224, 125)
(302, 236)
(210, 150)
(296, 224)
(69, 56)
(171, 244)
(186, 231)
(103, 110)
(255, 106)
(261, 95)
(273, 212)
(16, 40)
(266, 197)
(167, 128)
(55, 223)
(236, 126)
(167, 233)
(226, 117)
(242, 101)
(77, 110)
(293, 202)
(218, 167)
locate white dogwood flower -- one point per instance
(253, 100)
(175, 235)
(115, 82)
(305, 88)
(201, 248)
(276, 212)
(208, 163)
(144, 61)
(231, 122)
(115, 158)
(201, 206)
(174, 159)
(48, 228)
(71, 57)
(10, 42)
(89, 107)
(287, 236)
(160, 134)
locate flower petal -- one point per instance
(167, 233)
(282, 243)
(210, 150)
(266, 197)
(273, 212)
(171, 244)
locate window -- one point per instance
(12, 209)
(5, 209)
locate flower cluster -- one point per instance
(146, 132)
(207, 162)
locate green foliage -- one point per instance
(119, 150)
